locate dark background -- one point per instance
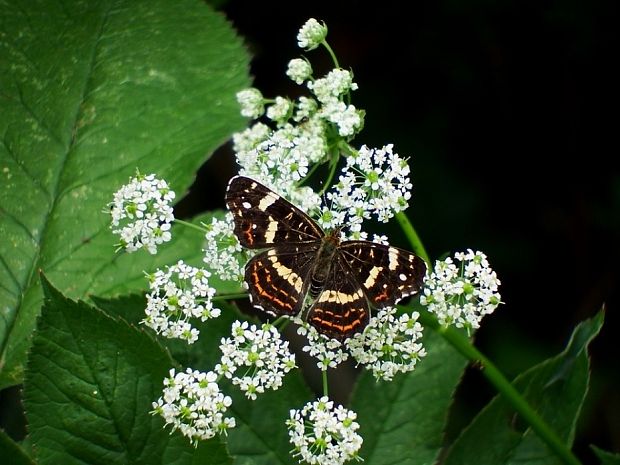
(508, 112)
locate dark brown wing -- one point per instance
(387, 274)
(263, 218)
(341, 309)
(278, 279)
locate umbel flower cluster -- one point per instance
(288, 141)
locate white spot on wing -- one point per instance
(403, 277)
(393, 259)
(272, 228)
(372, 276)
(267, 201)
(246, 205)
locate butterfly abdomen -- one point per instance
(323, 264)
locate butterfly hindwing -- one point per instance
(387, 274)
(340, 309)
(278, 278)
(263, 218)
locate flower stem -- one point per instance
(325, 386)
(332, 54)
(238, 295)
(190, 225)
(412, 235)
(497, 379)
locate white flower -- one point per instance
(178, 294)
(323, 434)
(142, 214)
(306, 108)
(329, 352)
(389, 344)
(299, 70)
(348, 119)
(223, 252)
(311, 34)
(259, 354)
(193, 403)
(252, 102)
(375, 182)
(334, 85)
(280, 110)
(462, 294)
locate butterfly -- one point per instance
(304, 271)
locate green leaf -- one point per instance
(261, 437)
(89, 385)
(402, 421)
(555, 388)
(606, 458)
(203, 354)
(92, 90)
(12, 452)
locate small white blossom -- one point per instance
(259, 354)
(193, 403)
(328, 352)
(251, 137)
(252, 102)
(322, 434)
(389, 344)
(299, 70)
(375, 182)
(178, 294)
(334, 85)
(311, 34)
(348, 119)
(306, 108)
(282, 160)
(462, 293)
(223, 250)
(279, 111)
(142, 214)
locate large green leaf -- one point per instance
(555, 388)
(12, 453)
(90, 90)
(402, 421)
(88, 390)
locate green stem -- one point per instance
(238, 295)
(332, 54)
(414, 239)
(325, 387)
(333, 164)
(503, 386)
(190, 225)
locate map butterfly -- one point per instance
(333, 284)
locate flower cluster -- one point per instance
(141, 213)
(329, 352)
(222, 249)
(259, 353)
(281, 157)
(389, 344)
(193, 403)
(178, 294)
(463, 294)
(374, 182)
(324, 434)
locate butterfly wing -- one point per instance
(278, 278)
(387, 274)
(340, 309)
(263, 218)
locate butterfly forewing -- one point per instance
(387, 274)
(341, 309)
(278, 278)
(263, 218)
